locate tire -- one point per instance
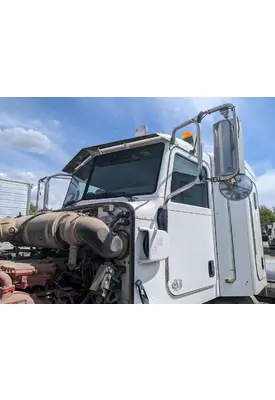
(233, 300)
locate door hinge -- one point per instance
(142, 293)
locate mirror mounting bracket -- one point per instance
(224, 110)
(46, 181)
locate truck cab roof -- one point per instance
(89, 152)
(92, 151)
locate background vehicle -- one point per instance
(271, 238)
(14, 200)
(265, 236)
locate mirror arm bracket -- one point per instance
(197, 121)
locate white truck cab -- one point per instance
(195, 225)
(150, 219)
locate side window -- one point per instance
(185, 171)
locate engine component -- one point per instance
(18, 298)
(47, 281)
(106, 282)
(72, 257)
(6, 286)
(9, 226)
(7, 293)
(28, 273)
(78, 230)
(65, 257)
(102, 281)
(60, 229)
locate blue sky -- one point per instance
(40, 135)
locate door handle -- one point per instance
(211, 269)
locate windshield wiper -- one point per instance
(102, 195)
(106, 195)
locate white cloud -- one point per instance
(173, 111)
(266, 188)
(56, 123)
(35, 136)
(29, 140)
(208, 148)
(14, 120)
(205, 103)
(27, 176)
(7, 120)
(176, 110)
(261, 167)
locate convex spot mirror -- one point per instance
(238, 188)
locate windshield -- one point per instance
(127, 173)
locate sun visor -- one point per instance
(87, 152)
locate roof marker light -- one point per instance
(142, 130)
(188, 137)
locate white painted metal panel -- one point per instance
(192, 248)
(240, 265)
(14, 198)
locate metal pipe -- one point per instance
(28, 200)
(219, 108)
(233, 279)
(46, 180)
(46, 194)
(57, 230)
(77, 230)
(5, 280)
(6, 286)
(178, 127)
(196, 120)
(38, 191)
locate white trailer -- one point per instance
(15, 200)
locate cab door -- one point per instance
(192, 261)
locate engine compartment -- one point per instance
(76, 256)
